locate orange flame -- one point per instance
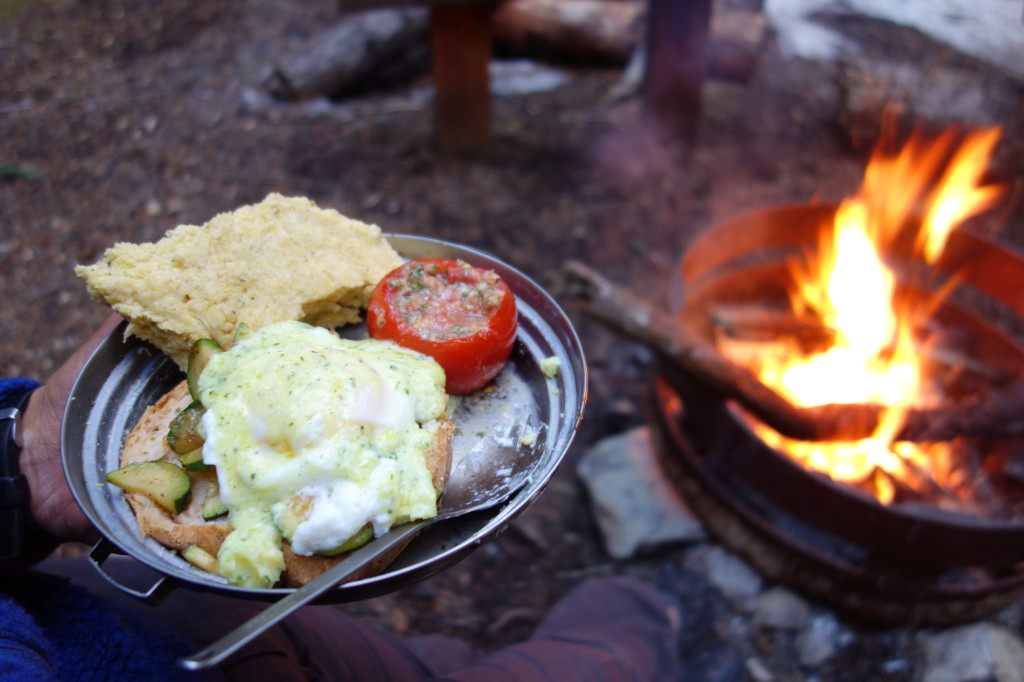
(875, 355)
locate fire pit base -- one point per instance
(823, 566)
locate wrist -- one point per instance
(53, 506)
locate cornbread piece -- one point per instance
(281, 259)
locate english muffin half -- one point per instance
(147, 442)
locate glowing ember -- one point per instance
(875, 355)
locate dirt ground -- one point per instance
(124, 118)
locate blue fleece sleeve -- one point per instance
(24, 650)
(91, 639)
(12, 385)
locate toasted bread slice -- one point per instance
(147, 442)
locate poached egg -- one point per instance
(297, 418)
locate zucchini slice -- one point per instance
(242, 331)
(200, 558)
(214, 508)
(202, 351)
(364, 535)
(288, 516)
(183, 435)
(193, 460)
(165, 483)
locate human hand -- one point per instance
(52, 504)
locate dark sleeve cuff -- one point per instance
(22, 541)
(14, 387)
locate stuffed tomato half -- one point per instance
(463, 317)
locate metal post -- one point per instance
(677, 40)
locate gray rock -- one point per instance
(896, 665)
(989, 31)
(736, 581)
(524, 77)
(981, 651)
(781, 609)
(819, 641)
(870, 89)
(758, 671)
(633, 503)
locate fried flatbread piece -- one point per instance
(281, 259)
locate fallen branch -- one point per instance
(754, 324)
(361, 48)
(763, 324)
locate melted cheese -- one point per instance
(295, 411)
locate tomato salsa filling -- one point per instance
(463, 317)
(446, 302)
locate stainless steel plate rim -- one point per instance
(124, 376)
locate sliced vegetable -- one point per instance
(200, 558)
(165, 483)
(287, 518)
(364, 535)
(242, 332)
(193, 461)
(214, 507)
(463, 317)
(202, 351)
(183, 435)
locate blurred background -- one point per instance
(121, 119)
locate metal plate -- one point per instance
(528, 410)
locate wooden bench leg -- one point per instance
(461, 44)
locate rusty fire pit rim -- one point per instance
(793, 224)
(963, 520)
(858, 590)
(993, 542)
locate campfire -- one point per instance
(860, 341)
(839, 391)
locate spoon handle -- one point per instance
(252, 628)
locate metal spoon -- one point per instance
(482, 478)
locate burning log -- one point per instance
(998, 413)
(760, 323)
(756, 323)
